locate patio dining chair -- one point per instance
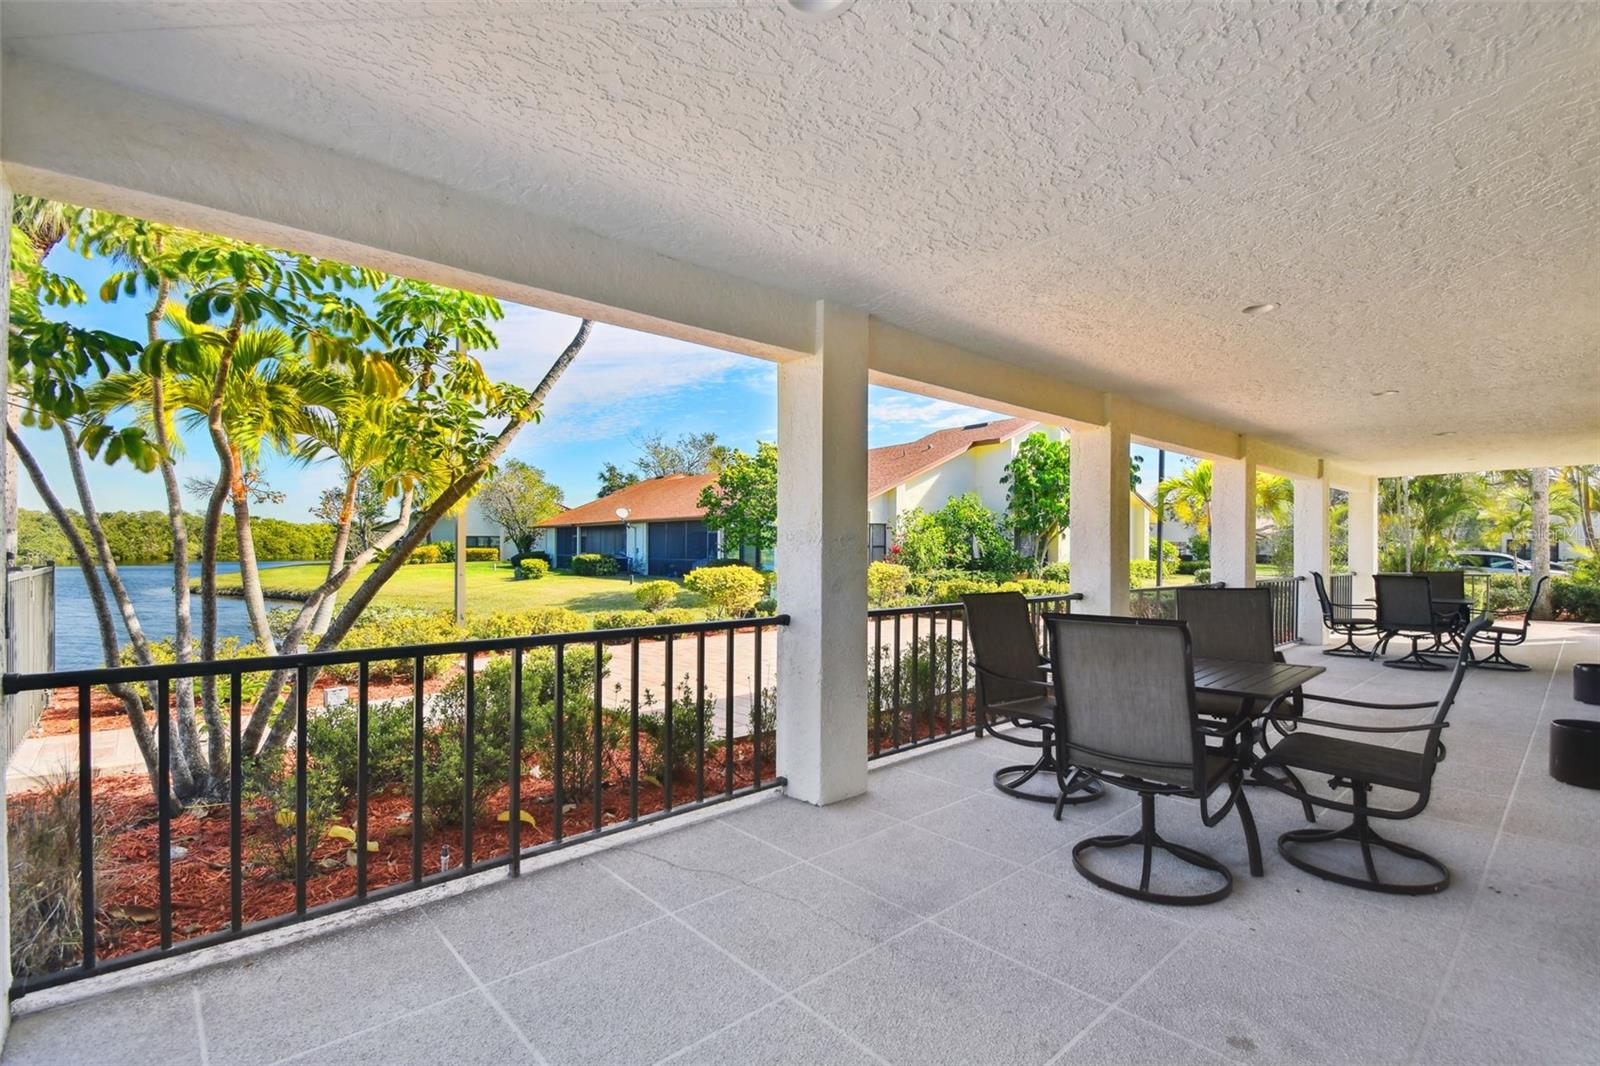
(1125, 693)
(1510, 636)
(1405, 610)
(1235, 623)
(1360, 766)
(1343, 620)
(1447, 585)
(1016, 703)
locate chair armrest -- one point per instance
(1425, 727)
(1230, 729)
(1029, 681)
(1354, 606)
(1367, 704)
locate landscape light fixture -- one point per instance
(622, 514)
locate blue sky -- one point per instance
(623, 384)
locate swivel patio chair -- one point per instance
(1342, 620)
(1447, 585)
(1125, 692)
(1235, 624)
(1502, 637)
(1360, 766)
(1405, 610)
(1013, 689)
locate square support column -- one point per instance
(1233, 522)
(1310, 551)
(1098, 548)
(822, 562)
(1363, 537)
(7, 472)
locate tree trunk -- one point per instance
(1578, 476)
(132, 701)
(1541, 539)
(249, 571)
(341, 546)
(437, 508)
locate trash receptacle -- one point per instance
(1575, 751)
(1586, 682)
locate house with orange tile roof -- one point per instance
(658, 525)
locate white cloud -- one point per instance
(898, 416)
(620, 380)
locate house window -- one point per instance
(678, 547)
(878, 541)
(483, 542)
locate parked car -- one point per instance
(1491, 563)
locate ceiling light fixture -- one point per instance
(820, 9)
(1387, 392)
(1445, 433)
(1260, 309)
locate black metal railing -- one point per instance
(563, 733)
(920, 681)
(1161, 601)
(1285, 607)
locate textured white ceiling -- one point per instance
(1095, 190)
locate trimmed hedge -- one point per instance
(733, 590)
(483, 555)
(591, 565)
(531, 569)
(424, 554)
(1577, 601)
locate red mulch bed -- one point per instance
(128, 879)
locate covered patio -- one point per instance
(900, 926)
(1337, 244)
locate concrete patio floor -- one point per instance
(934, 920)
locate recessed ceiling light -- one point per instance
(1260, 309)
(821, 9)
(1387, 392)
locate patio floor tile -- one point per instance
(780, 1034)
(916, 869)
(633, 999)
(797, 923)
(932, 997)
(509, 927)
(1120, 1038)
(466, 1029)
(282, 1002)
(806, 831)
(154, 1025)
(686, 865)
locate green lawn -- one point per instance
(489, 588)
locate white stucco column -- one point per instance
(1363, 537)
(5, 537)
(1310, 551)
(822, 562)
(1233, 522)
(1098, 549)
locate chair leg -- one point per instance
(1497, 660)
(1252, 840)
(1148, 840)
(1415, 659)
(1367, 839)
(1071, 787)
(1349, 647)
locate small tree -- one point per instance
(742, 504)
(692, 453)
(920, 541)
(969, 525)
(367, 508)
(1038, 484)
(614, 479)
(517, 500)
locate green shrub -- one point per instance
(1059, 572)
(677, 616)
(952, 590)
(269, 790)
(46, 889)
(591, 565)
(1577, 601)
(926, 678)
(623, 619)
(733, 591)
(447, 550)
(483, 555)
(1190, 566)
(1203, 575)
(689, 727)
(530, 569)
(886, 583)
(391, 628)
(1142, 572)
(766, 607)
(333, 744)
(533, 622)
(1505, 594)
(426, 553)
(654, 595)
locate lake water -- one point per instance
(150, 588)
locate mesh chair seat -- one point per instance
(1032, 714)
(1338, 757)
(1217, 767)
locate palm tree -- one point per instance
(1429, 516)
(1186, 497)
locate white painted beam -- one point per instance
(822, 560)
(1099, 519)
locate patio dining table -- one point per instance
(1257, 686)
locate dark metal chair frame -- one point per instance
(1447, 584)
(1360, 766)
(1203, 784)
(1395, 622)
(1502, 637)
(1347, 627)
(1029, 704)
